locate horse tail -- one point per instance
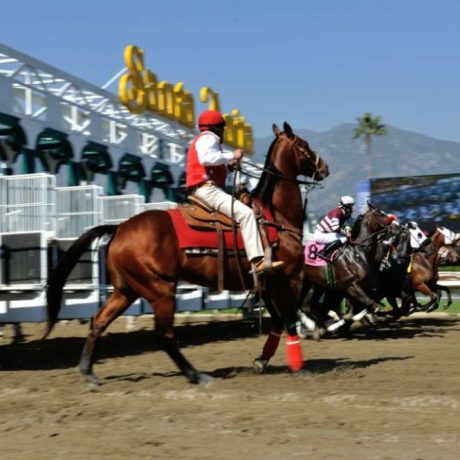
(58, 276)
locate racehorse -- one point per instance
(424, 275)
(352, 272)
(145, 260)
(416, 270)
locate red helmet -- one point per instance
(210, 118)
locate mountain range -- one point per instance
(397, 153)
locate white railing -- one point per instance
(161, 205)
(118, 208)
(449, 279)
(28, 203)
(78, 209)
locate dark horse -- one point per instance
(415, 270)
(144, 260)
(351, 274)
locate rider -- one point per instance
(206, 171)
(330, 228)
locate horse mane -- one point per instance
(266, 185)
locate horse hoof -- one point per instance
(90, 377)
(303, 373)
(371, 319)
(200, 378)
(318, 333)
(204, 379)
(260, 365)
(92, 380)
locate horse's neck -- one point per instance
(436, 244)
(364, 234)
(365, 241)
(287, 204)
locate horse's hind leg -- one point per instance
(114, 307)
(433, 304)
(162, 298)
(449, 295)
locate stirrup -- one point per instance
(263, 267)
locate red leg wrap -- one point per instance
(294, 353)
(271, 344)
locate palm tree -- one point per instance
(369, 126)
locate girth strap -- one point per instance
(220, 258)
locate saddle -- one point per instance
(200, 216)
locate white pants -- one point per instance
(322, 237)
(220, 201)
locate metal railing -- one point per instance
(77, 210)
(116, 209)
(28, 203)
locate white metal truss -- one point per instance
(33, 80)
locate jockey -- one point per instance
(329, 230)
(206, 171)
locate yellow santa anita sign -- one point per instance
(141, 91)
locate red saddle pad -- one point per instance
(191, 238)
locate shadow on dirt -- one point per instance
(405, 329)
(64, 352)
(311, 368)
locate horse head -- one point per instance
(399, 238)
(372, 222)
(448, 255)
(293, 156)
(375, 219)
(443, 236)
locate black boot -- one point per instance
(328, 249)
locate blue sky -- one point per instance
(314, 63)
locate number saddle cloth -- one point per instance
(311, 254)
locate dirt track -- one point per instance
(388, 393)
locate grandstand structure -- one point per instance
(72, 156)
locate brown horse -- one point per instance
(144, 260)
(424, 275)
(351, 274)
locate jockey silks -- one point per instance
(332, 222)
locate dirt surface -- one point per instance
(391, 392)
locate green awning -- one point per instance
(131, 168)
(161, 176)
(53, 145)
(96, 158)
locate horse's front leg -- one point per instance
(273, 338)
(357, 296)
(282, 302)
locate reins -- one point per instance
(282, 228)
(309, 184)
(312, 184)
(361, 243)
(292, 144)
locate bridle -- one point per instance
(365, 242)
(292, 144)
